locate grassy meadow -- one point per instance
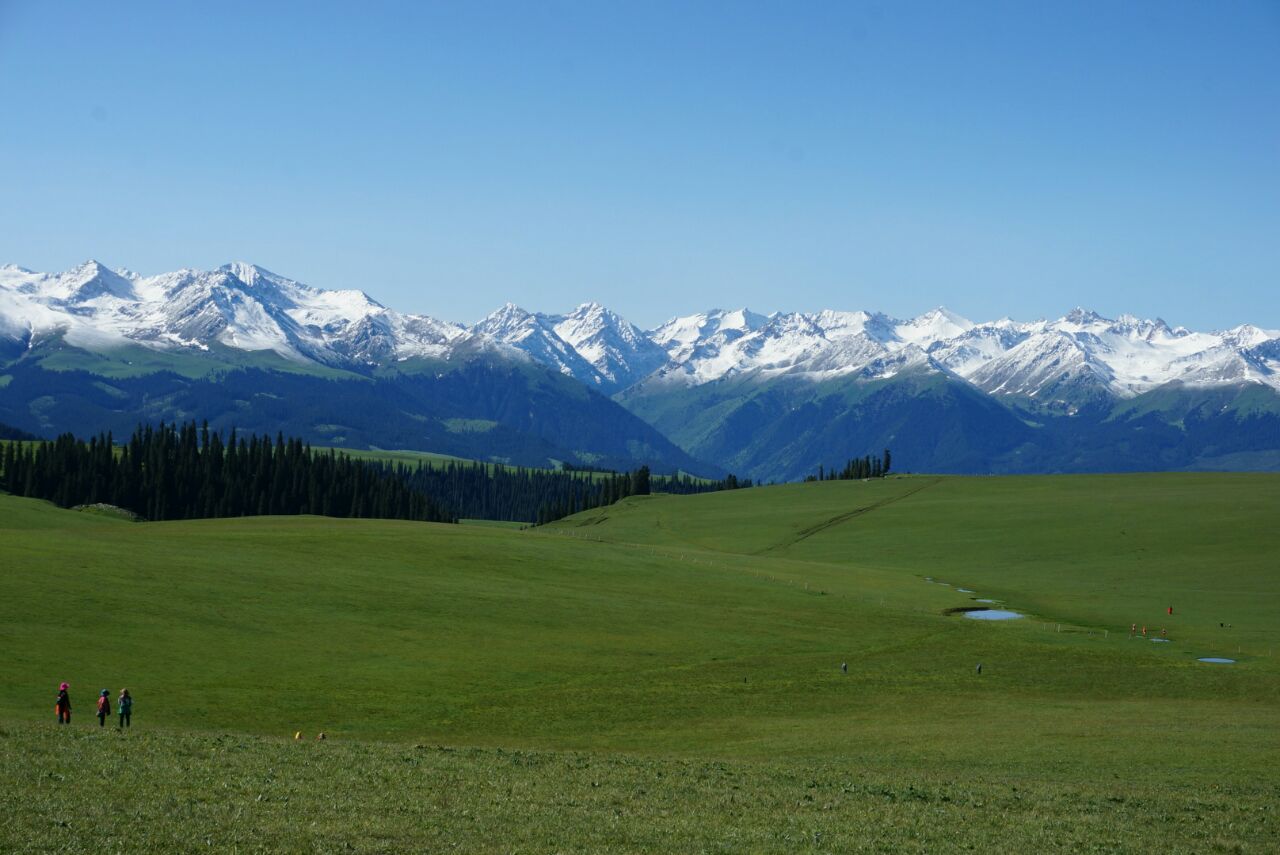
(660, 674)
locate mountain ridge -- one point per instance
(247, 307)
(768, 396)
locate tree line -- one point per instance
(539, 496)
(187, 472)
(173, 473)
(856, 468)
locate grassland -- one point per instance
(147, 791)
(410, 458)
(660, 674)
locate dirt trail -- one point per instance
(845, 517)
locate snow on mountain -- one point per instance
(535, 335)
(617, 349)
(707, 332)
(820, 345)
(246, 307)
(871, 325)
(1125, 356)
(937, 325)
(967, 352)
(239, 305)
(1048, 365)
(77, 303)
(89, 282)
(590, 343)
(1080, 354)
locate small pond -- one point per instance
(992, 614)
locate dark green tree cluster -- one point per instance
(856, 468)
(483, 491)
(173, 472)
(684, 485)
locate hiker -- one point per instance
(1164, 632)
(63, 705)
(1170, 609)
(104, 707)
(979, 668)
(1133, 630)
(844, 666)
(1144, 630)
(124, 706)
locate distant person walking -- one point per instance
(1144, 630)
(124, 706)
(62, 706)
(1170, 609)
(104, 707)
(1133, 630)
(844, 667)
(979, 668)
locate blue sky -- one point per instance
(997, 158)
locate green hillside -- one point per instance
(1100, 551)
(676, 648)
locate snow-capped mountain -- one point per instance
(244, 307)
(617, 349)
(238, 306)
(590, 343)
(705, 334)
(535, 335)
(767, 396)
(1080, 353)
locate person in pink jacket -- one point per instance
(62, 706)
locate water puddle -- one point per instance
(984, 600)
(1160, 640)
(1216, 660)
(964, 590)
(992, 614)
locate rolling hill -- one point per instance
(643, 652)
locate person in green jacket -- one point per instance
(124, 706)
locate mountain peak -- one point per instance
(590, 313)
(1245, 336)
(90, 266)
(249, 273)
(508, 310)
(92, 279)
(1080, 315)
(940, 317)
(503, 320)
(954, 317)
